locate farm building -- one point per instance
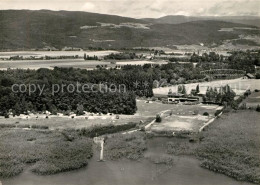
(249, 76)
(177, 97)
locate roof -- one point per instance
(175, 94)
(250, 75)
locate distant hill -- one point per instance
(24, 29)
(177, 19)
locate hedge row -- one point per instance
(99, 130)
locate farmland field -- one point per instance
(238, 85)
(55, 53)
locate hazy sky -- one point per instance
(142, 8)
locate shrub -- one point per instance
(158, 118)
(3, 125)
(107, 129)
(205, 114)
(195, 112)
(23, 126)
(67, 136)
(243, 106)
(31, 139)
(258, 108)
(218, 112)
(39, 127)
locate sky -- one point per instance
(144, 8)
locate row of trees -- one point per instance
(87, 57)
(225, 95)
(121, 56)
(240, 60)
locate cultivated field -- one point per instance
(55, 53)
(238, 85)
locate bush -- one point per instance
(39, 127)
(205, 114)
(258, 108)
(99, 130)
(218, 112)
(257, 76)
(23, 126)
(243, 106)
(158, 118)
(3, 125)
(67, 136)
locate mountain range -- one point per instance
(178, 19)
(27, 29)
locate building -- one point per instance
(174, 98)
(249, 76)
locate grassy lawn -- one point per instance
(49, 152)
(182, 118)
(68, 123)
(153, 108)
(232, 146)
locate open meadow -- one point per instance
(75, 63)
(54, 53)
